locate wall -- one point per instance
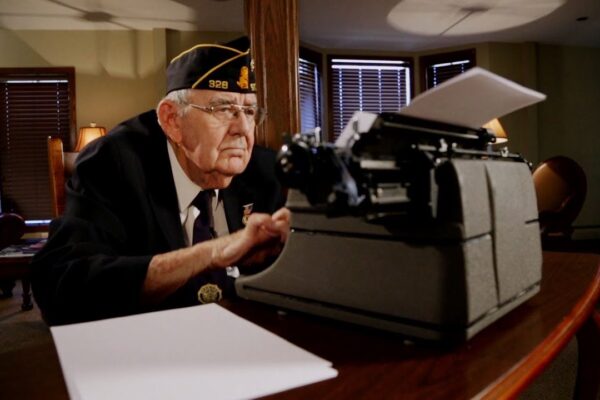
(118, 74)
(563, 124)
(518, 62)
(178, 41)
(569, 118)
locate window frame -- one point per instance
(316, 58)
(425, 62)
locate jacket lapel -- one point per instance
(235, 197)
(162, 194)
(168, 218)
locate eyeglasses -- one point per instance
(226, 113)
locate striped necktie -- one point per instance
(203, 224)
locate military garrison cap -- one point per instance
(227, 67)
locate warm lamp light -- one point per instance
(88, 134)
(496, 128)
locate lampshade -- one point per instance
(88, 134)
(495, 126)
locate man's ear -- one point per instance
(170, 120)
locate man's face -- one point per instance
(216, 146)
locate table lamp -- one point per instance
(88, 134)
(495, 126)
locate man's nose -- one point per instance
(240, 123)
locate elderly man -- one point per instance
(150, 207)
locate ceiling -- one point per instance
(362, 24)
(339, 24)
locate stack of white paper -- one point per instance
(190, 353)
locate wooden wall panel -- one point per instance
(272, 26)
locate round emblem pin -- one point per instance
(209, 293)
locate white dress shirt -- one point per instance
(187, 191)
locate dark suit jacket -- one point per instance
(121, 210)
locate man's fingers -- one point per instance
(261, 238)
(263, 223)
(282, 214)
(257, 219)
(283, 229)
(278, 224)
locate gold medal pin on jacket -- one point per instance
(209, 293)
(247, 212)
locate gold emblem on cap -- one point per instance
(243, 81)
(209, 293)
(247, 212)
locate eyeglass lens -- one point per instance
(228, 112)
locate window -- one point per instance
(438, 68)
(36, 103)
(309, 82)
(360, 84)
(310, 102)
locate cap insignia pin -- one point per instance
(243, 80)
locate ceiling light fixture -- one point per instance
(465, 17)
(96, 16)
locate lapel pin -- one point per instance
(209, 293)
(247, 212)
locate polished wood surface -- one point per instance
(60, 167)
(56, 169)
(497, 363)
(272, 26)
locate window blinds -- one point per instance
(438, 73)
(32, 110)
(310, 95)
(373, 85)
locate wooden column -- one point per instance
(272, 26)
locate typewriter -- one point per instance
(410, 226)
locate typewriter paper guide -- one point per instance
(471, 99)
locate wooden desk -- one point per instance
(497, 363)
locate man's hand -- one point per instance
(261, 239)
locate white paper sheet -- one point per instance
(189, 353)
(472, 99)
(360, 122)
